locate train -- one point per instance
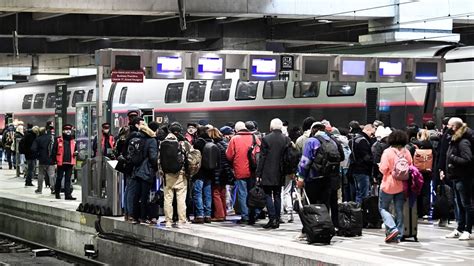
(230, 100)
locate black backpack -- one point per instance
(136, 151)
(253, 154)
(327, 159)
(211, 156)
(289, 160)
(172, 156)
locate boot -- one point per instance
(270, 224)
(58, 196)
(276, 224)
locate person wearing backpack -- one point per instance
(142, 152)
(173, 151)
(269, 170)
(394, 166)
(459, 160)
(238, 154)
(202, 190)
(423, 161)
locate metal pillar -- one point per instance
(439, 114)
(100, 115)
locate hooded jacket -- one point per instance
(42, 148)
(146, 171)
(237, 153)
(459, 155)
(361, 158)
(27, 142)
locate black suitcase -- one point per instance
(410, 221)
(317, 224)
(350, 219)
(371, 213)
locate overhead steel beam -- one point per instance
(42, 16)
(150, 19)
(6, 14)
(235, 20)
(299, 43)
(96, 18)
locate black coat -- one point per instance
(199, 144)
(147, 170)
(361, 156)
(269, 166)
(27, 142)
(42, 148)
(459, 156)
(224, 173)
(443, 150)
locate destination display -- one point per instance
(169, 65)
(264, 67)
(390, 68)
(127, 62)
(211, 65)
(426, 71)
(316, 66)
(353, 67)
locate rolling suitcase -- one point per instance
(317, 224)
(410, 221)
(350, 219)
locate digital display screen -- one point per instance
(169, 64)
(316, 67)
(353, 67)
(426, 70)
(214, 65)
(390, 68)
(127, 62)
(264, 66)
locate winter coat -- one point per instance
(64, 150)
(27, 142)
(42, 148)
(269, 166)
(301, 141)
(237, 153)
(146, 171)
(361, 158)
(199, 144)
(443, 150)
(224, 173)
(8, 141)
(16, 143)
(459, 156)
(108, 144)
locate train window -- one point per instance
(341, 88)
(90, 94)
(68, 98)
(50, 100)
(78, 97)
(39, 100)
(27, 101)
(275, 89)
(174, 92)
(246, 90)
(196, 90)
(306, 89)
(123, 95)
(220, 90)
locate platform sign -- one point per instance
(391, 70)
(318, 68)
(287, 62)
(428, 69)
(355, 69)
(209, 66)
(168, 65)
(264, 67)
(60, 112)
(129, 76)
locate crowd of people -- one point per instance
(200, 168)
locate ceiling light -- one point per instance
(324, 21)
(194, 40)
(221, 18)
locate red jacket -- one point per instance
(60, 151)
(237, 153)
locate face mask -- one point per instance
(106, 131)
(450, 131)
(67, 132)
(192, 130)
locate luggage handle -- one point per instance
(300, 203)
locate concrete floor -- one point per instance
(432, 248)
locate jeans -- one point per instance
(243, 187)
(30, 171)
(219, 199)
(273, 197)
(66, 172)
(362, 183)
(132, 197)
(46, 171)
(143, 197)
(384, 208)
(202, 197)
(463, 199)
(137, 198)
(8, 154)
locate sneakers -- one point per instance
(391, 236)
(454, 234)
(168, 225)
(465, 236)
(301, 237)
(38, 192)
(183, 225)
(198, 220)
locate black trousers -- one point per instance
(66, 172)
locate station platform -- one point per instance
(246, 243)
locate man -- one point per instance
(227, 132)
(43, 149)
(362, 160)
(27, 142)
(319, 180)
(191, 133)
(440, 164)
(307, 123)
(107, 142)
(175, 180)
(459, 170)
(245, 180)
(269, 170)
(65, 151)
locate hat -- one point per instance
(317, 123)
(327, 124)
(132, 113)
(106, 125)
(192, 125)
(67, 127)
(203, 122)
(382, 132)
(226, 130)
(250, 125)
(175, 127)
(239, 126)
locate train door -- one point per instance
(8, 118)
(372, 103)
(148, 115)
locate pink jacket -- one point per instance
(389, 184)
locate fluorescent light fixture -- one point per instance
(324, 21)
(221, 18)
(194, 40)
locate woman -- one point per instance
(423, 201)
(392, 189)
(223, 176)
